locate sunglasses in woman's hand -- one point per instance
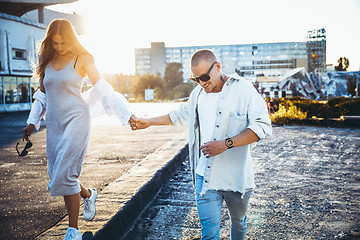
(24, 152)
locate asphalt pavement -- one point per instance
(119, 162)
(307, 185)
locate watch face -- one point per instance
(229, 143)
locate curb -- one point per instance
(123, 221)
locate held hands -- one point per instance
(137, 123)
(27, 131)
(213, 148)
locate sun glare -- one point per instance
(115, 28)
(109, 46)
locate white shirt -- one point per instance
(207, 105)
(239, 107)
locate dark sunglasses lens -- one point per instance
(24, 153)
(204, 77)
(28, 145)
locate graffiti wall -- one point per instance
(319, 86)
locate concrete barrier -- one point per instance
(120, 224)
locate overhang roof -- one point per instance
(20, 7)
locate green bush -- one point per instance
(332, 102)
(351, 107)
(333, 108)
(287, 112)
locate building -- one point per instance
(18, 50)
(22, 26)
(316, 49)
(258, 60)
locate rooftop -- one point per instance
(20, 7)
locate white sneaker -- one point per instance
(89, 205)
(73, 234)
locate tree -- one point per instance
(173, 75)
(147, 81)
(343, 64)
(121, 83)
(182, 90)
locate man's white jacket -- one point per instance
(240, 107)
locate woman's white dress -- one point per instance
(67, 128)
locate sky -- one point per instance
(114, 28)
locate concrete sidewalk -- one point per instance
(121, 203)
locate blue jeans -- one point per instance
(209, 210)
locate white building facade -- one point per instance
(21, 33)
(263, 59)
(18, 44)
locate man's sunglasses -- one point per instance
(24, 152)
(205, 77)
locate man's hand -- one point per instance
(213, 148)
(138, 123)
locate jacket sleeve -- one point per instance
(38, 109)
(103, 99)
(258, 115)
(180, 116)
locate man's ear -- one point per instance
(218, 65)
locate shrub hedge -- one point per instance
(333, 108)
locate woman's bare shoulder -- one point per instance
(86, 58)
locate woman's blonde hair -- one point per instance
(63, 28)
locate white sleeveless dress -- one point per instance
(67, 129)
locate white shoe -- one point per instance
(73, 234)
(89, 205)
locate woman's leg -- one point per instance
(72, 203)
(85, 192)
(89, 197)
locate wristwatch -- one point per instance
(229, 143)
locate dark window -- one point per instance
(18, 54)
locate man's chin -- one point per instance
(208, 90)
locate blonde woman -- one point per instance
(63, 64)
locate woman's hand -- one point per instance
(27, 131)
(138, 123)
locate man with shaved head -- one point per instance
(225, 115)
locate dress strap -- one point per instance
(77, 56)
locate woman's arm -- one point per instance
(89, 68)
(113, 102)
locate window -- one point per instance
(23, 89)
(11, 95)
(18, 54)
(17, 90)
(1, 93)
